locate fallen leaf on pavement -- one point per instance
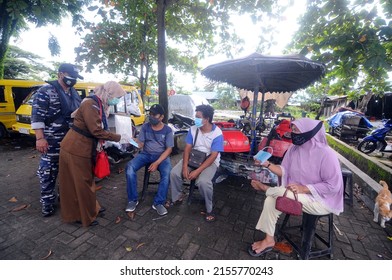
(21, 207)
(360, 237)
(47, 256)
(120, 170)
(129, 248)
(140, 245)
(33, 157)
(131, 215)
(97, 188)
(390, 238)
(13, 199)
(118, 219)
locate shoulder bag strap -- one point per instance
(197, 132)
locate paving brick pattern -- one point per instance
(182, 234)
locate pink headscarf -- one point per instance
(315, 165)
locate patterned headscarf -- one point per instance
(315, 165)
(107, 91)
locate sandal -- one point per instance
(179, 201)
(210, 217)
(254, 254)
(170, 203)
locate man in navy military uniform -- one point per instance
(51, 119)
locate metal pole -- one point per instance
(262, 106)
(253, 121)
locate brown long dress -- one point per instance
(77, 185)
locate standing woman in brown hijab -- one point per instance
(77, 185)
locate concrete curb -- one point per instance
(369, 186)
(342, 147)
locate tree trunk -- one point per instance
(7, 28)
(162, 77)
(320, 111)
(362, 107)
(142, 80)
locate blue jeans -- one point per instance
(141, 160)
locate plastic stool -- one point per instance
(146, 182)
(308, 228)
(192, 187)
(348, 186)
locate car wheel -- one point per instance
(3, 131)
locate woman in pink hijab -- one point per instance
(311, 169)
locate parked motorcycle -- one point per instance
(244, 124)
(180, 125)
(181, 122)
(376, 140)
(118, 152)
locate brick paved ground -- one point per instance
(182, 234)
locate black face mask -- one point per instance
(68, 81)
(153, 121)
(301, 138)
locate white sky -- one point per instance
(36, 39)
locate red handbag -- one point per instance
(288, 205)
(102, 167)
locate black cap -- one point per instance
(71, 69)
(157, 109)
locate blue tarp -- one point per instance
(337, 119)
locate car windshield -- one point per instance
(128, 104)
(30, 98)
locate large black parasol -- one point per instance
(263, 73)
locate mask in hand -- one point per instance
(301, 138)
(152, 120)
(198, 122)
(113, 101)
(68, 81)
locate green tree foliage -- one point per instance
(226, 98)
(131, 35)
(53, 45)
(20, 64)
(15, 14)
(353, 39)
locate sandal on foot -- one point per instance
(254, 254)
(170, 203)
(210, 217)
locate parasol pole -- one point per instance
(253, 121)
(262, 106)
